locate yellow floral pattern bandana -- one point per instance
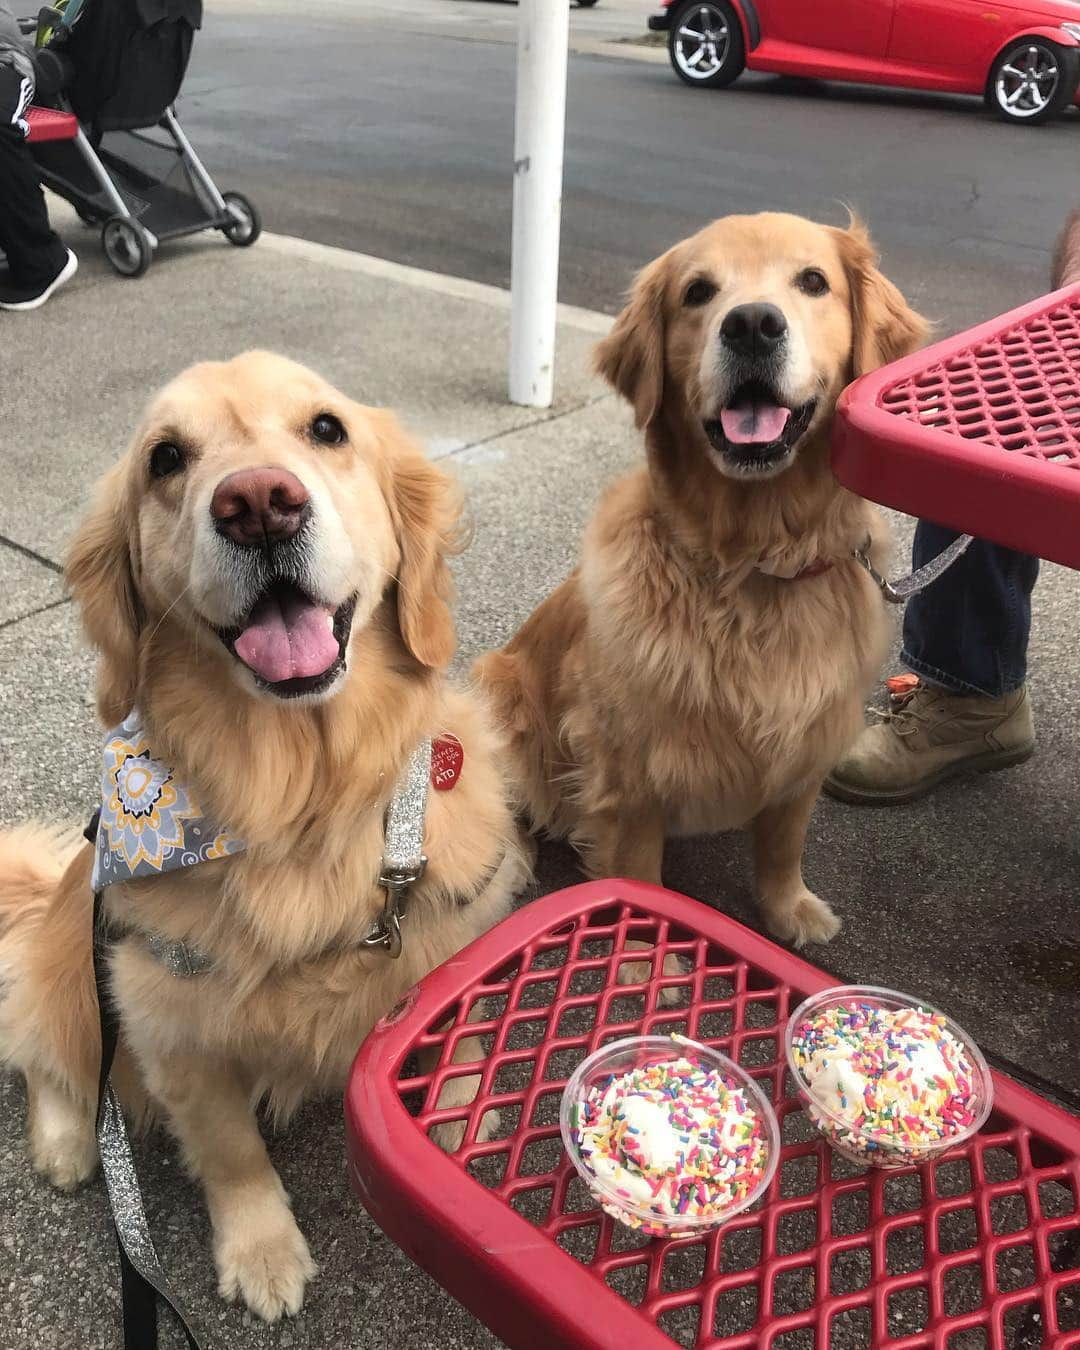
(150, 822)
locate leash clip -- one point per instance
(884, 585)
(386, 931)
(922, 577)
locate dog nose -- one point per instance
(255, 507)
(753, 330)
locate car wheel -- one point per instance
(585, 4)
(1033, 80)
(705, 43)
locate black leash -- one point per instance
(142, 1279)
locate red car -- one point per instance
(1023, 56)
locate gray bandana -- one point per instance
(150, 822)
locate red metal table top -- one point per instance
(46, 124)
(980, 432)
(961, 1253)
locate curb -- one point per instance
(441, 283)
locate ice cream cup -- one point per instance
(873, 1146)
(636, 1052)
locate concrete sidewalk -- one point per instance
(967, 899)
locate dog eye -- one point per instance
(812, 282)
(165, 458)
(327, 429)
(699, 293)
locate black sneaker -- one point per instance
(17, 297)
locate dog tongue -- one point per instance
(754, 423)
(287, 637)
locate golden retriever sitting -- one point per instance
(705, 665)
(264, 576)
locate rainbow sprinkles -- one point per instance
(892, 1084)
(673, 1140)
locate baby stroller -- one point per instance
(110, 69)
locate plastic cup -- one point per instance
(637, 1052)
(858, 1143)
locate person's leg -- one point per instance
(968, 632)
(35, 253)
(966, 637)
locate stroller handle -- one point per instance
(50, 21)
(56, 16)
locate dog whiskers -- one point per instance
(153, 632)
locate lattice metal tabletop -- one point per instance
(978, 1249)
(980, 432)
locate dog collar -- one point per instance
(895, 592)
(812, 569)
(150, 823)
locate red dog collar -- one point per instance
(814, 569)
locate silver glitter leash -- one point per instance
(897, 592)
(403, 861)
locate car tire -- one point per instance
(719, 54)
(1017, 92)
(585, 4)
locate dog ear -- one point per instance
(884, 326)
(631, 357)
(426, 507)
(101, 574)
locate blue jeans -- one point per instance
(968, 631)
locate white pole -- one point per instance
(539, 125)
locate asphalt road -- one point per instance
(391, 134)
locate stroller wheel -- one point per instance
(126, 246)
(245, 226)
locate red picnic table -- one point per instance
(957, 1253)
(980, 432)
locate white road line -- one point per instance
(585, 320)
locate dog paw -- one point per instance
(63, 1146)
(65, 1162)
(268, 1265)
(449, 1134)
(640, 972)
(802, 919)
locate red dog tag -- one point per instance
(447, 757)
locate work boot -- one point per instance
(929, 735)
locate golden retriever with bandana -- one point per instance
(264, 576)
(706, 664)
